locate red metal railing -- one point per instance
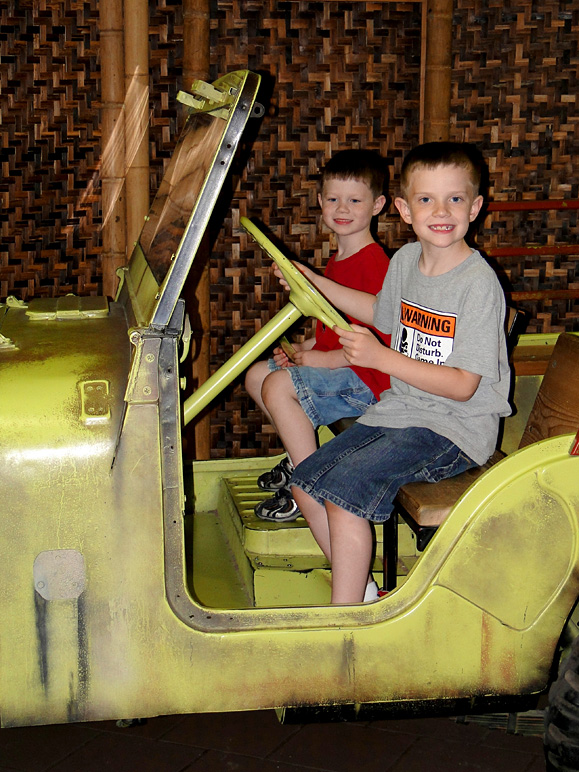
(544, 249)
(524, 206)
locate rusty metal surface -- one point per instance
(479, 615)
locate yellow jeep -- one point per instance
(134, 586)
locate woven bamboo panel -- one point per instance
(49, 90)
(165, 68)
(515, 94)
(335, 76)
(546, 270)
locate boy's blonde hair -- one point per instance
(360, 165)
(433, 154)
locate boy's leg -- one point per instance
(362, 468)
(254, 379)
(345, 540)
(317, 519)
(292, 424)
(351, 545)
(357, 475)
(318, 394)
(300, 399)
(297, 434)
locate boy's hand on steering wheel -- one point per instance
(361, 347)
(307, 272)
(281, 277)
(281, 359)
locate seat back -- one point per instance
(556, 407)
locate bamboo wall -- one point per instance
(515, 94)
(50, 149)
(335, 75)
(514, 90)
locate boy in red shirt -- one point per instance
(319, 386)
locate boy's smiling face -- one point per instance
(440, 204)
(348, 206)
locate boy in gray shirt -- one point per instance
(444, 308)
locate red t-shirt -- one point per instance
(363, 271)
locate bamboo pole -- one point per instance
(136, 43)
(113, 142)
(437, 70)
(196, 65)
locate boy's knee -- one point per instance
(249, 378)
(276, 385)
(254, 378)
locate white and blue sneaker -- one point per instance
(276, 478)
(280, 508)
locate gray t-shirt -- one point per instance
(455, 319)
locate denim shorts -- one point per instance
(327, 395)
(362, 468)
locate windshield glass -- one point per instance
(179, 191)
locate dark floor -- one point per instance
(256, 742)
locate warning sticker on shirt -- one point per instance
(424, 334)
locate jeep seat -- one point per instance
(424, 506)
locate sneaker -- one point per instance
(276, 478)
(280, 508)
(371, 592)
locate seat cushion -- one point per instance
(428, 504)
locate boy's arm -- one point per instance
(352, 302)
(308, 344)
(362, 349)
(316, 358)
(305, 355)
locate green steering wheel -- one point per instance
(304, 296)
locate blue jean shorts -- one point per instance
(327, 395)
(362, 468)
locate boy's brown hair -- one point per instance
(433, 154)
(360, 165)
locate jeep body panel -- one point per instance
(99, 617)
